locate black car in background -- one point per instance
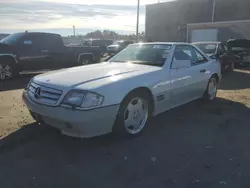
(117, 46)
(241, 49)
(102, 43)
(220, 51)
(39, 51)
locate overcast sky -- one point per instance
(86, 14)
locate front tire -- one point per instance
(85, 62)
(232, 67)
(102, 54)
(7, 71)
(211, 90)
(133, 115)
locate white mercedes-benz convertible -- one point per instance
(141, 81)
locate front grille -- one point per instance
(43, 95)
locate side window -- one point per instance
(27, 41)
(53, 43)
(200, 57)
(30, 39)
(42, 42)
(182, 54)
(186, 52)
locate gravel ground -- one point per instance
(196, 145)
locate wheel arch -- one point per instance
(142, 89)
(216, 76)
(85, 54)
(9, 57)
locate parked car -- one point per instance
(241, 49)
(37, 51)
(121, 95)
(220, 51)
(103, 44)
(117, 46)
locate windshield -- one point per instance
(207, 48)
(150, 54)
(12, 39)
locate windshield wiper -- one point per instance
(146, 63)
(117, 61)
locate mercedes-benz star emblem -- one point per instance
(37, 92)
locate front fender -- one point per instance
(115, 90)
(9, 55)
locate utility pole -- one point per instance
(74, 31)
(137, 22)
(213, 13)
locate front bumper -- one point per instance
(75, 123)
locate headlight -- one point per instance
(82, 99)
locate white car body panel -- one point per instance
(114, 80)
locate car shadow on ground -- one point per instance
(172, 119)
(17, 83)
(197, 141)
(238, 79)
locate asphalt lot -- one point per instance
(196, 145)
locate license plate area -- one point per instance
(36, 116)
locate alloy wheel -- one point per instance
(136, 115)
(212, 88)
(5, 72)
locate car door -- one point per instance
(29, 52)
(187, 84)
(225, 57)
(55, 52)
(201, 71)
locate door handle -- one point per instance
(44, 51)
(203, 70)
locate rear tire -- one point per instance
(133, 115)
(232, 67)
(86, 60)
(211, 90)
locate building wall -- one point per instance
(167, 21)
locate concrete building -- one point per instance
(168, 21)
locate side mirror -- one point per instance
(178, 64)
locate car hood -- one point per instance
(244, 43)
(73, 77)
